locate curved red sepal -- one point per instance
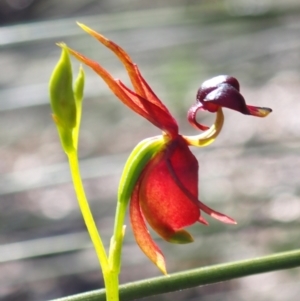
(165, 205)
(141, 233)
(192, 117)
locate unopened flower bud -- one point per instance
(61, 93)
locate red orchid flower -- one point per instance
(164, 191)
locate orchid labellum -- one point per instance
(160, 179)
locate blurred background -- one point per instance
(251, 172)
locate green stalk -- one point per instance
(197, 277)
(110, 277)
(135, 164)
(66, 104)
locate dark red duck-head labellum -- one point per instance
(222, 91)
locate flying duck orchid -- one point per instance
(160, 178)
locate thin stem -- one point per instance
(197, 277)
(117, 239)
(86, 211)
(110, 278)
(111, 281)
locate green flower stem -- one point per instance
(110, 277)
(115, 249)
(196, 277)
(135, 164)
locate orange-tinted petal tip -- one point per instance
(84, 27)
(142, 235)
(160, 263)
(94, 33)
(61, 45)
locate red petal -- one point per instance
(179, 182)
(163, 119)
(164, 204)
(140, 85)
(151, 111)
(141, 233)
(216, 215)
(203, 221)
(148, 92)
(138, 104)
(154, 113)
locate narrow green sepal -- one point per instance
(135, 164)
(61, 92)
(181, 237)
